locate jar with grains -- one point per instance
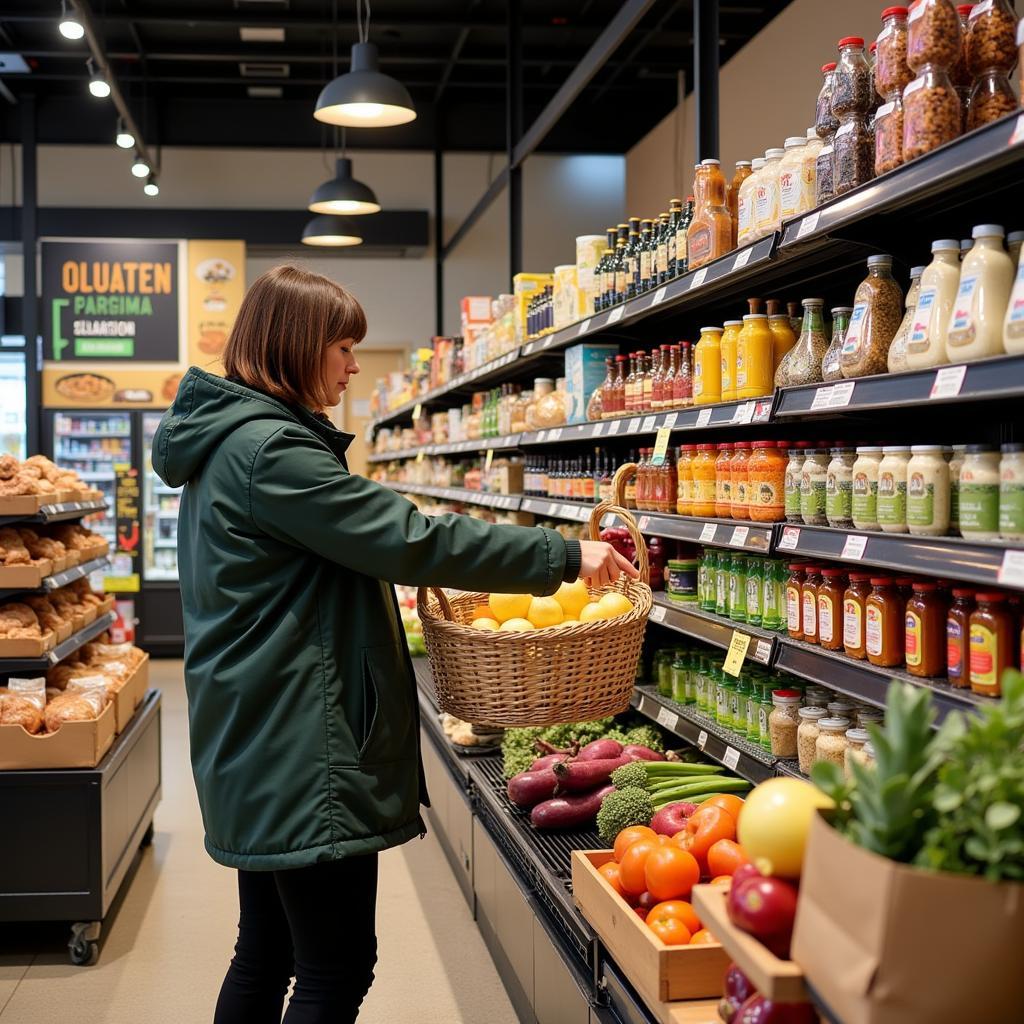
(791, 484)
(959, 75)
(784, 721)
(855, 741)
(824, 171)
(806, 735)
(892, 73)
(889, 135)
(931, 112)
(766, 473)
(854, 158)
(991, 28)
(877, 311)
(825, 122)
(831, 742)
(802, 363)
(830, 366)
(933, 34)
(897, 358)
(812, 487)
(852, 88)
(841, 708)
(839, 489)
(1011, 492)
(991, 98)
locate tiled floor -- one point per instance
(165, 951)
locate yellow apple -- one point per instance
(545, 611)
(516, 626)
(573, 597)
(509, 606)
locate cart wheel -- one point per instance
(147, 837)
(83, 952)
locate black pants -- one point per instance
(315, 924)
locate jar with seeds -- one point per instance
(877, 312)
(933, 34)
(931, 112)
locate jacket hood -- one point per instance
(207, 410)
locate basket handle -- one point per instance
(623, 475)
(626, 517)
(442, 601)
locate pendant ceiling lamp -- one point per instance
(364, 97)
(344, 194)
(329, 231)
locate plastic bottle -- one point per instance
(707, 368)
(767, 205)
(1013, 324)
(790, 180)
(729, 344)
(986, 277)
(926, 343)
(754, 357)
(745, 204)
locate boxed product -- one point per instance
(871, 949)
(584, 373)
(476, 309)
(525, 287)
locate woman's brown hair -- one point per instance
(286, 320)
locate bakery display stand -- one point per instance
(71, 834)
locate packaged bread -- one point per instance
(18, 621)
(81, 704)
(18, 710)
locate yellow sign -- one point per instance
(122, 584)
(216, 284)
(109, 386)
(489, 459)
(737, 652)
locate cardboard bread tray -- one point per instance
(73, 745)
(131, 695)
(25, 577)
(20, 504)
(27, 647)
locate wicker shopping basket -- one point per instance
(572, 673)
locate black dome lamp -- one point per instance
(343, 194)
(327, 231)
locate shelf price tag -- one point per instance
(822, 398)
(790, 538)
(615, 315)
(762, 410)
(670, 419)
(707, 534)
(731, 758)
(644, 522)
(948, 382)
(634, 425)
(669, 719)
(420, 457)
(659, 296)
(661, 445)
(1011, 572)
(416, 411)
(555, 435)
(763, 651)
(1018, 132)
(841, 394)
(702, 739)
(542, 436)
(649, 422)
(597, 430)
(613, 427)
(489, 459)
(739, 536)
(744, 413)
(808, 225)
(854, 547)
(698, 279)
(704, 416)
(584, 327)
(658, 613)
(737, 652)
(742, 259)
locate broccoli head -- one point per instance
(633, 774)
(622, 808)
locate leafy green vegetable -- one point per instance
(622, 808)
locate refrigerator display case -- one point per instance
(160, 513)
(13, 399)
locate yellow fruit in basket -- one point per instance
(615, 604)
(572, 597)
(545, 611)
(591, 612)
(570, 622)
(509, 606)
(517, 626)
(483, 611)
(490, 625)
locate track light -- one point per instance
(98, 85)
(70, 27)
(125, 139)
(151, 188)
(343, 194)
(327, 231)
(140, 168)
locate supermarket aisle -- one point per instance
(166, 952)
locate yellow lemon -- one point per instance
(615, 604)
(516, 626)
(483, 611)
(570, 622)
(489, 624)
(592, 612)
(572, 597)
(509, 606)
(545, 611)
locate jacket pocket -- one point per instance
(388, 713)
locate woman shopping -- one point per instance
(302, 706)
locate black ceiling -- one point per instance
(180, 65)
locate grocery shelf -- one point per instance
(59, 513)
(725, 533)
(574, 511)
(59, 579)
(740, 756)
(713, 629)
(994, 564)
(789, 768)
(508, 502)
(61, 651)
(452, 448)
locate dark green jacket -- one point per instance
(302, 706)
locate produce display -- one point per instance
(570, 605)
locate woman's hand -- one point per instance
(602, 564)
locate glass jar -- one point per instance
(795, 600)
(958, 73)
(896, 361)
(955, 465)
(883, 623)
(710, 232)
(738, 588)
(755, 588)
(728, 344)
(979, 493)
(707, 367)
(684, 480)
(991, 98)
(824, 171)
(783, 338)
(825, 122)
(958, 633)
(773, 595)
(928, 491)
(789, 177)
(806, 735)
(933, 34)
(809, 604)
(831, 742)
(992, 642)
(855, 741)
(852, 89)
(892, 72)
(831, 369)
(783, 722)
(925, 632)
(877, 311)
(892, 488)
(813, 481)
(723, 481)
(839, 489)
(854, 158)
(732, 195)
(990, 44)
(854, 614)
(932, 113)
(986, 278)
(926, 345)
(739, 505)
(841, 708)
(745, 204)
(754, 357)
(889, 135)
(1011, 492)
(766, 482)
(830, 609)
(865, 487)
(767, 204)
(791, 484)
(802, 363)
(681, 585)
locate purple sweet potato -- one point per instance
(547, 761)
(582, 776)
(529, 788)
(638, 753)
(571, 811)
(600, 750)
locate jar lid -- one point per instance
(867, 448)
(872, 48)
(988, 231)
(726, 446)
(742, 163)
(857, 735)
(757, 163)
(850, 41)
(859, 577)
(795, 140)
(802, 445)
(834, 723)
(1013, 447)
(826, 68)
(710, 163)
(925, 588)
(1015, 236)
(782, 445)
(894, 12)
(768, 444)
(842, 449)
(916, 271)
(841, 705)
(922, 449)
(881, 581)
(812, 302)
(965, 592)
(796, 566)
(707, 447)
(812, 134)
(813, 570)
(713, 330)
(786, 697)
(946, 245)
(990, 596)
(980, 449)
(880, 260)
(814, 713)
(904, 581)
(832, 573)
(964, 8)
(733, 323)
(966, 243)
(754, 316)
(772, 154)
(543, 380)
(841, 309)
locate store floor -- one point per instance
(165, 953)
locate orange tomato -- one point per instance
(702, 938)
(725, 857)
(671, 873)
(727, 801)
(722, 880)
(611, 875)
(628, 836)
(633, 863)
(676, 908)
(671, 931)
(705, 828)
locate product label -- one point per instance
(743, 211)
(764, 493)
(853, 625)
(662, 258)
(726, 375)
(851, 343)
(954, 504)
(741, 370)
(721, 589)
(984, 656)
(873, 630)
(741, 498)
(979, 507)
(826, 618)
(766, 205)
(645, 265)
(812, 496)
(892, 499)
(1015, 311)
(954, 649)
(793, 601)
(921, 501)
(961, 330)
(792, 493)
(699, 244)
(810, 619)
(913, 639)
(838, 498)
(753, 714)
(1011, 507)
(762, 719)
(722, 702)
(865, 500)
(704, 492)
(789, 189)
(918, 340)
(753, 597)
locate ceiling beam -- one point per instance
(634, 51)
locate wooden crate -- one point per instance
(25, 577)
(20, 504)
(27, 647)
(660, 973)
(131, 695)
(779, 980)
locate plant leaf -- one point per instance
(1001, 815)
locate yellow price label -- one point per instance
(416, 412)
(420, 454)
(661, 446)
(737, 652)
(489, 459)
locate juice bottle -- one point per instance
(707, 370)
(728, 344)
(755, 357)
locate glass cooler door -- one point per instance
(160, 513)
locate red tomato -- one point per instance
(631, 867)
(628, 836)
(611, 875)
(728, 802)
(671, 873)
(676, 908)
(725, 857)
(704, 829)
(671, 931)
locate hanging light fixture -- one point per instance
(69, 26)
(98, 85)
(344, 194)
(124, 138)
(364, 97)
(151, 188)
(140, 168)
(329, 231)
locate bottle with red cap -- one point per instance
(825, 122)
(852, 89)
(892, 72)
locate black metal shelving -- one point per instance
(508, 502)
(58, 579)
(713, 629)
(59, 513)
(61, 651)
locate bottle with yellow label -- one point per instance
(991, 643)
(754, 357)
(707, 367)
(729, 343)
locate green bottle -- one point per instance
(753, 710)
(741, 691)
(755, 586)
(722, 568)
(681, 676)
(723, 703)
(738, 589)
(701, 684)
(773, 595)
(663, 671)
(764, 711)
(709, 570)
